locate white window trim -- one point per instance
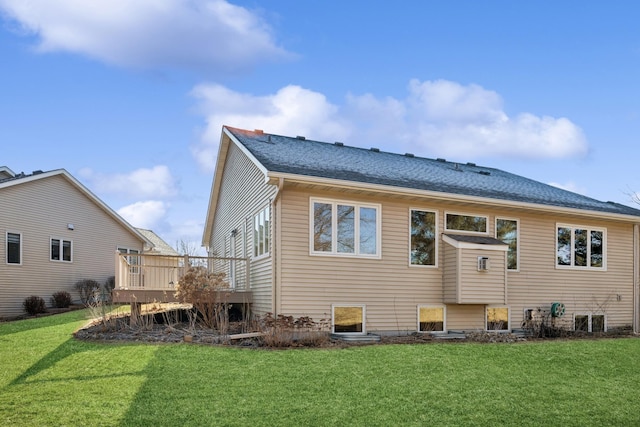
(508, 318)
(444, 318)
(589, 229)
(334, 227)
(589, 315)
(517, 220)
(62, 240)
(6, 247)
(435, 238)
(364, 319)
(267, 251)
(482, 233)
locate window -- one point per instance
(61, 250)
(470, 223)
(261, 232)
(348, 319)
(431, 319)
(580, 247)
(133, 261)
(589, 322)
(507, 231)
(14, 248)
(423, 248)
(497, 319)
(350, 229)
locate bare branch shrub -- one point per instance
(87, 288)
(207, 292)
(285, 331)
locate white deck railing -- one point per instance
(163, 272)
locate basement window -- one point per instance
(497, 318)
(431, 318)
(348, 319)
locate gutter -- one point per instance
(353, 185)
(275, 245)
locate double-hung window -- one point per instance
(61, 250)
(423, 248)
(580, 247)
(261, 232)
(507, 231)
(345, 228)
(14, 248)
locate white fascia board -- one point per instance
(450, 196)
(226, 138)
(468, 245)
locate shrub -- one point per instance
(61, 299)
(34, 305)
(205, 291)
(87, 288)
(285, 331)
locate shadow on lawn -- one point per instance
(14, 327)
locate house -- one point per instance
(395, 243)
(55, 232)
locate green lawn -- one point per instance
(48, 378)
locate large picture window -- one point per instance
(507, 231)
(61, 250)
(423, 238)
(580, 247)
(14, 248)
(469, 223)
(261, 232)
(343, 228)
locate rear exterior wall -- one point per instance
(391, 289)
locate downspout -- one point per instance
(275, 245)
(636, 273)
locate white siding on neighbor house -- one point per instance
(243, 193)
(391, 289)
(42, 209)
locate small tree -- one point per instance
(206, 292)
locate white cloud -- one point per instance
(210, 35)
(570, 186)
(290, 111)
(147, 214)
(436, 119)
(141, 183)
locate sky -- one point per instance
(130, 97)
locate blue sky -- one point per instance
(130, 97)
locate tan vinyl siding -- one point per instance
(41, 209)
(243, 193)
(451, 276)
(482, 287)
(391, 289)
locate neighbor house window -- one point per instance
(261, 232)
(431, 319)
(344, 228)
(470, 223)
(580, 247)
(348, 319)
(589, 322)
(14, 248)
(423, 238)
(507, 231)
(61, 250)
(497, 318)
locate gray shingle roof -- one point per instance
(294, 155)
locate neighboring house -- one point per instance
(54, 232)
(393, 243)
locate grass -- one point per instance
(48, 378)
